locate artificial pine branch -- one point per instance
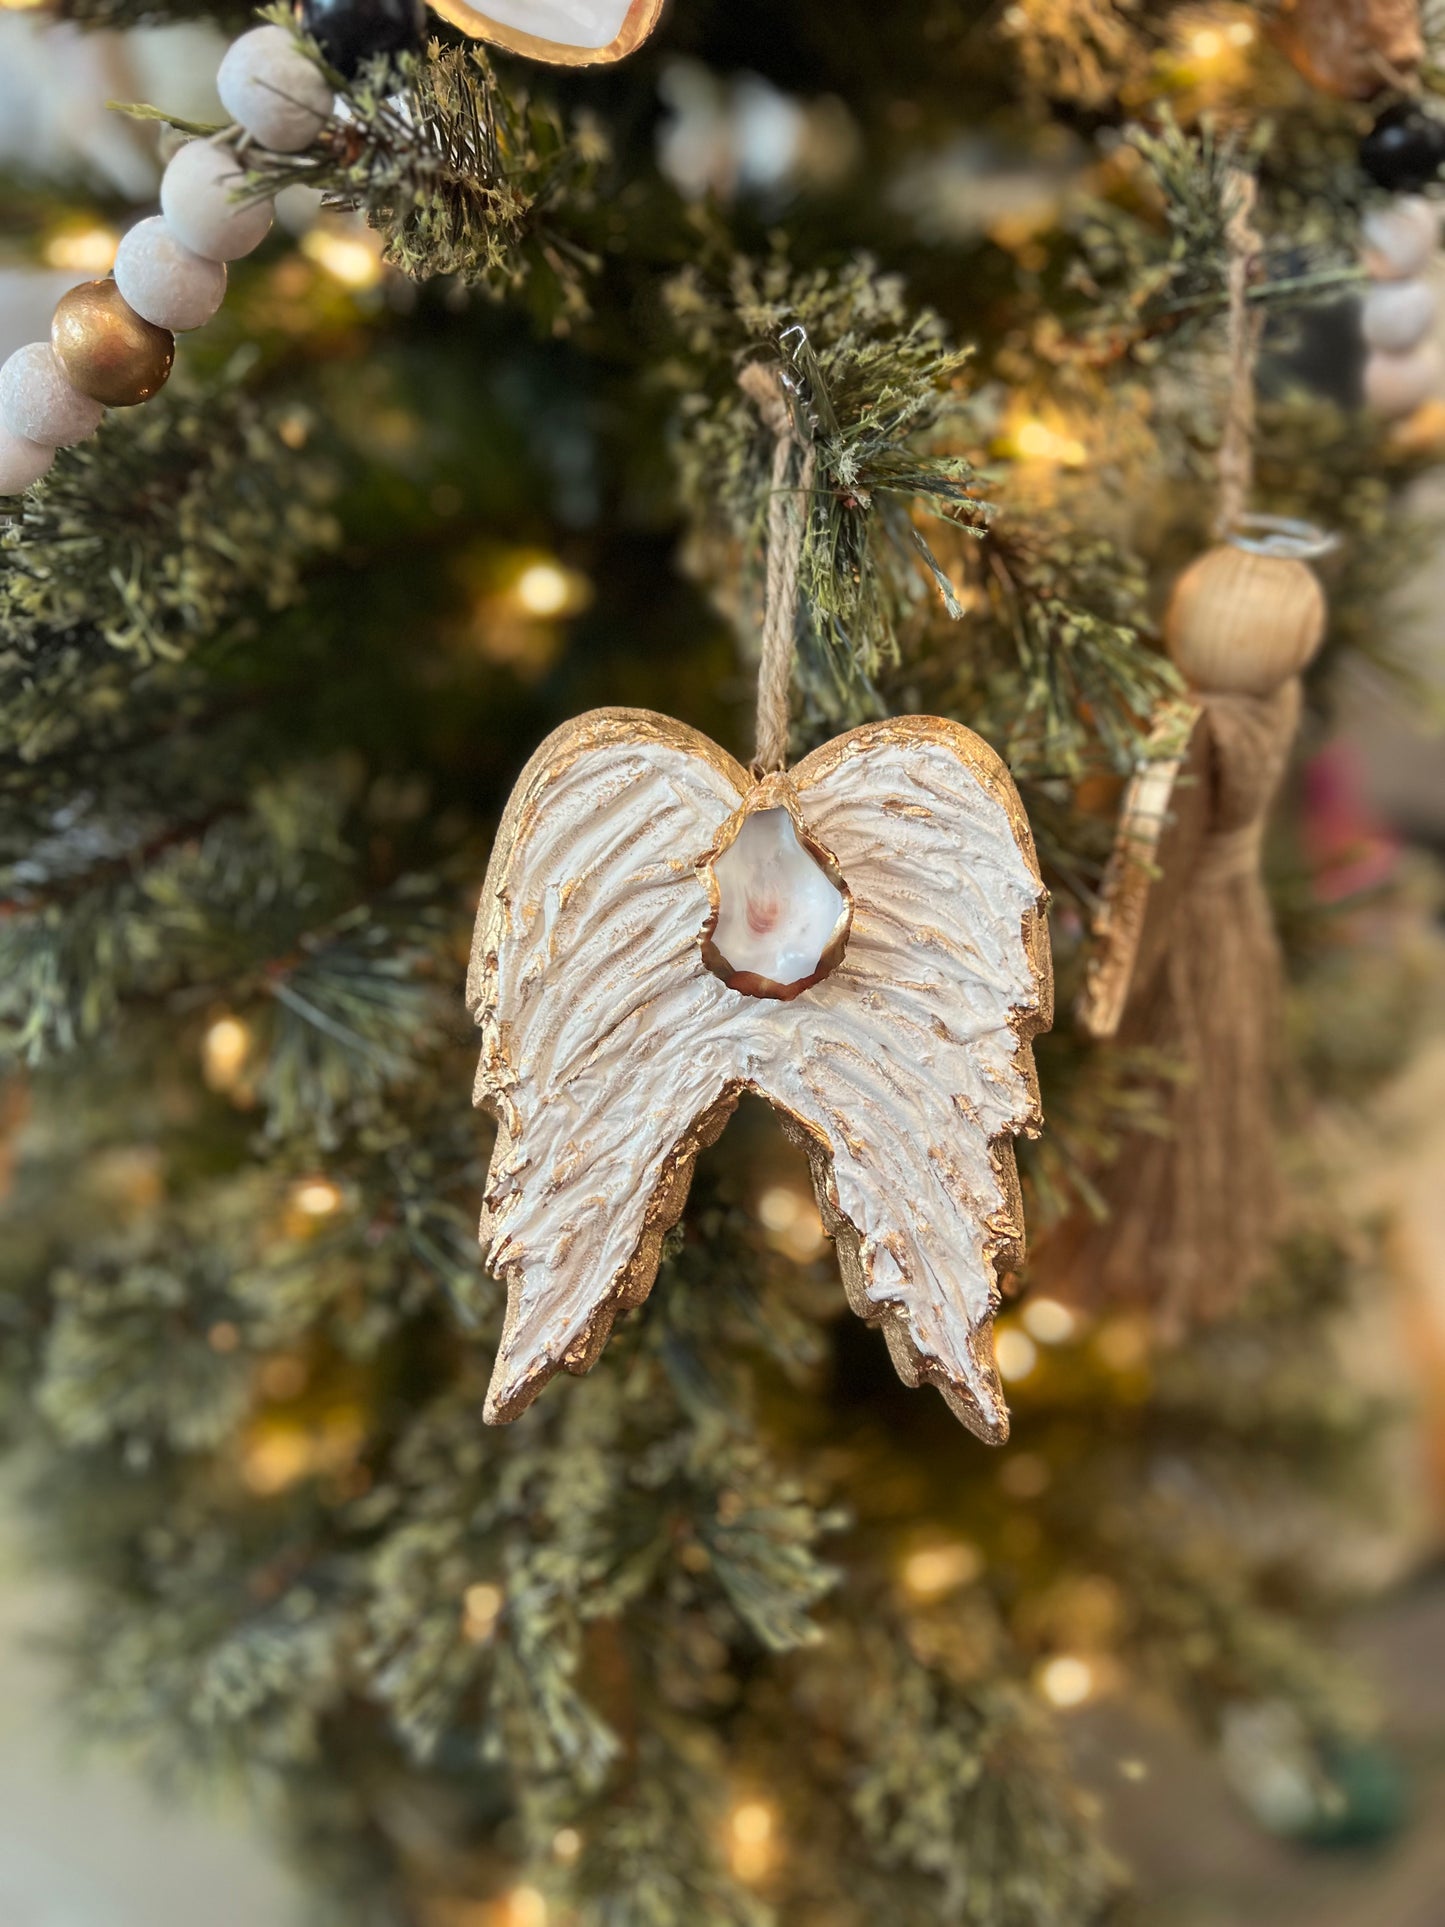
(149, 539)
(459, 174)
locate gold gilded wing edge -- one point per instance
(602, 728)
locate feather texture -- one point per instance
(612, 1054)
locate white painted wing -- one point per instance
(612, 1055)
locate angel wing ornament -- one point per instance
(566, 33)
(860, 940)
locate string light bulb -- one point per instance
(751, 1840)
(523, 1907)
(1035, 441)
(1015, 1353)
(316, 1197)
(1049, 1322)
(1066, 1682)
(225, 1049)
(82, 250)
(933, 1572)
(790, 1218)
(544, 589)
(481, 1609)
(350, 256)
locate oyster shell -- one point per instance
(781, 922)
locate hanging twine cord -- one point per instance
(788, 508)
(1246, 325)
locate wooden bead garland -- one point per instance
(106, 349)
(111, 341)
(1404, 366)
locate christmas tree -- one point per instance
(936, 342)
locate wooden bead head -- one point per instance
(1242, 624)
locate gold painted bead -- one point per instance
(105, 348)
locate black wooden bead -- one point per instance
(1405, 149)
(351, 32)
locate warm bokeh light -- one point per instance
(543, 589)
(751, 1843)
(790, 1218)
(1016, 1354)
(84, 250)
(1210, 45)
(1123, 1343)
(316, 1198)
(566, 1845)
(1049, 1322)
(276, 1458)
(522, 1907)
(224, 1053)
(353, 258)
(279, 1453)
(481, 1609)
(1036, 441)
(933, 1572)
(1066, 1681)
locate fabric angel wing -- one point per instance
(614, 1050)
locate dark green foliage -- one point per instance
(266, 681)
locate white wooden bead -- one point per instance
(164, 281)
(280, 97)
(1398, 315)
(21, 462)
(38, 404)
(1395, 385)
(197, 199)
(1400, 238)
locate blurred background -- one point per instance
(1231, 1832)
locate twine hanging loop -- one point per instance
(789, 505)
(1246, 327)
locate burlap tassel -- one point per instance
(1186, 961)
(1192, 1211)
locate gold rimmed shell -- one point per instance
(636, 25)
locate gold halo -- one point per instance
(642, 17)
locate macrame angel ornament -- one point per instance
(1185, 959)
(860, 940)
(567, 33)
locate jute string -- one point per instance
(1246, 325)
(788, 508)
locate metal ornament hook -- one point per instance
(1281, 535)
